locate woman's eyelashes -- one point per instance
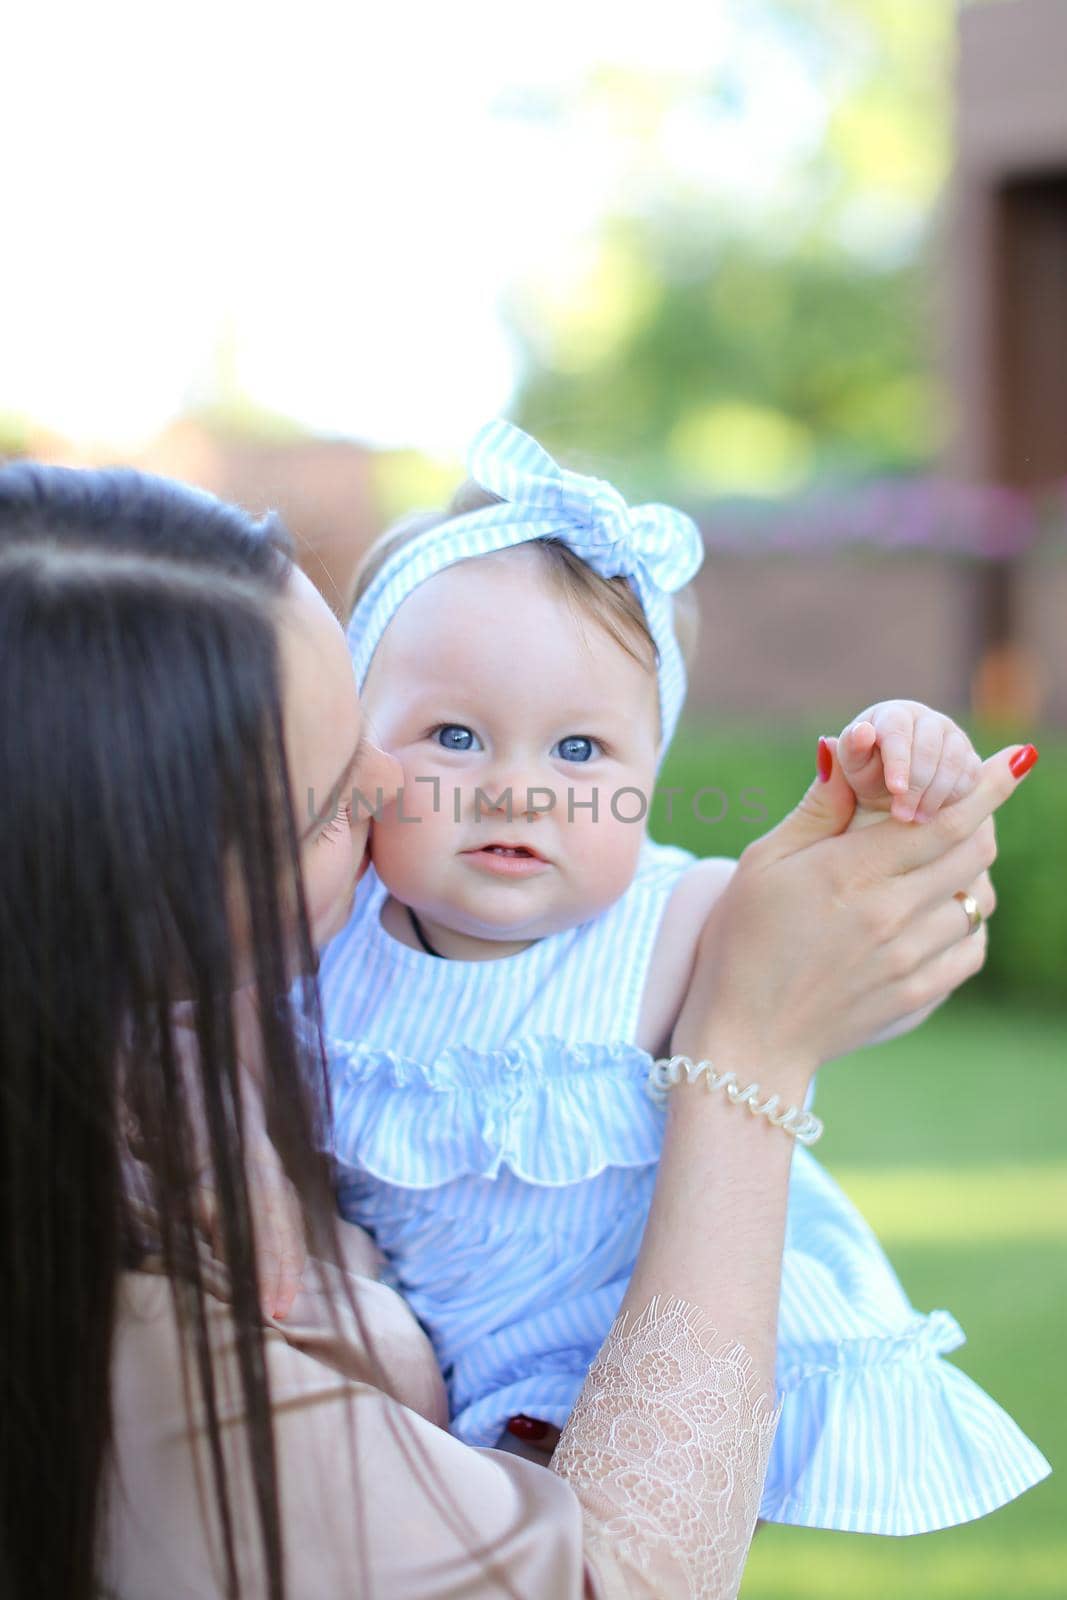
(576, 747)
(339, 824)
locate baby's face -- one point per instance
(485, 679)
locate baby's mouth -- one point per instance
(520, 851)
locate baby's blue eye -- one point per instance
(576, 748)
(453, 736)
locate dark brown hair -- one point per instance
(142, 771)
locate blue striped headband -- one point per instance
(657, 548)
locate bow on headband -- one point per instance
(612, 537)
(657, 548)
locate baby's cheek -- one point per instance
(603, 850)
(407, 839)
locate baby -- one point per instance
(515, 959)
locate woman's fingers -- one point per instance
(281, 1249)
(280, 1262)
(905, 846)
(281, 1252)
(942, 927)
(951, 923)
(985, 894)
(961, 955)
(932, 885)
(280, 1277)
(927, 958)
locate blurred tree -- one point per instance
(14, 434)
(751, 308)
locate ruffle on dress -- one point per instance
(881, 1435)
(509, 1189)
(550, 1111)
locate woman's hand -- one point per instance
(824, 940)
(278, 1221)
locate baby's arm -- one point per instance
(674, 954)
(905, 760)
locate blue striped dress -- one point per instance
(492, 1130)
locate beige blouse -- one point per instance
(653, 1489)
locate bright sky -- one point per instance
(337, 196)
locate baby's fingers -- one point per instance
(956, 775)
(927, 740)
(856, 745)
(860, 760)
(895, 730)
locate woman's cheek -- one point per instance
(329, 883)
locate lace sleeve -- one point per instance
(667, 1450)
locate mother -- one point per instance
(177, 725)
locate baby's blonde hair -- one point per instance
(611, 602)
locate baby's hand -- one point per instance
(903, 758)
(279, 1226)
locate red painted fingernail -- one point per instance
(1022, 760)
(528, 1428)
(826, 761)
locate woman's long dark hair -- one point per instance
(142, 778)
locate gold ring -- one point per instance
(970, 905)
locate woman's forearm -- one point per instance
(668, 1444)
(717, 1223)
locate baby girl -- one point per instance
(515, 959)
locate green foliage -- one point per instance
(14, 435)
(759, 375)
(717, 341)
(1028, 945)
(754, 775)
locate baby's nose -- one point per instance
(521, 794)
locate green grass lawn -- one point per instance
(953, 1142)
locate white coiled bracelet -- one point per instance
(804, 1126)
